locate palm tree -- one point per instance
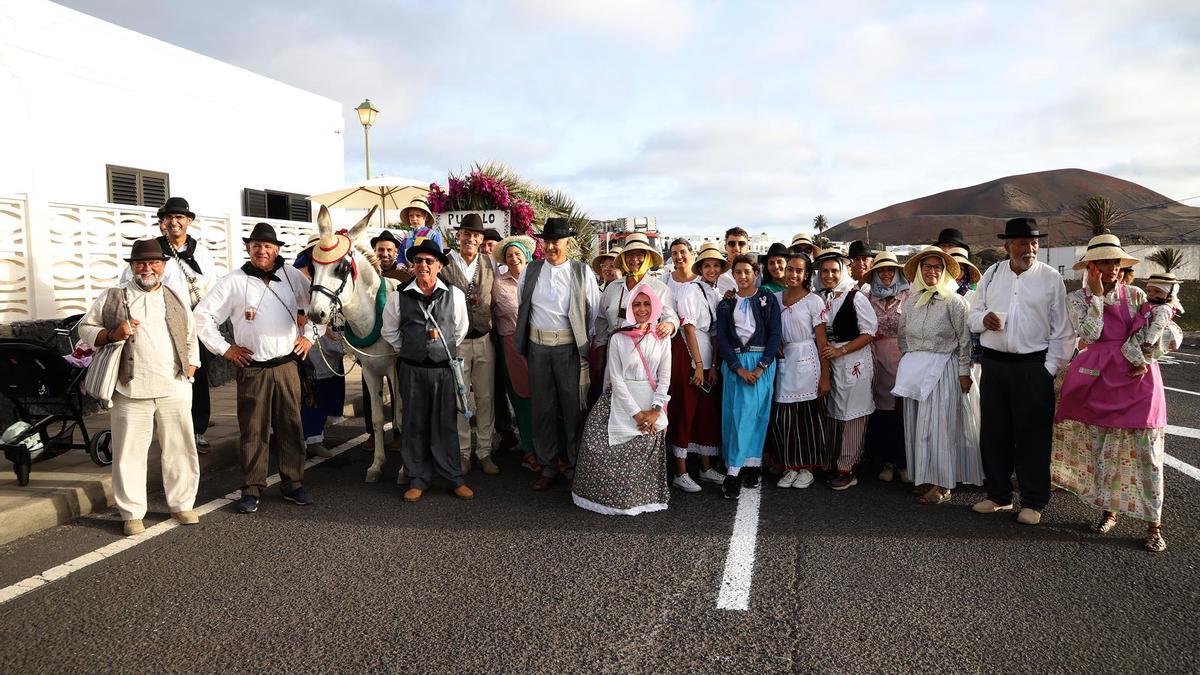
(1098, 213)
(1170, 259)
(820, 223)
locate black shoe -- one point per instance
(750, 477)
(247, 504)
(299, 496)
(732, 488)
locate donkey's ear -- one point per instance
(361, 226)
(324, 222)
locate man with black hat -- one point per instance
(471, 273)
(1020, 307)
(862, 256)
(159, 357)
(558, 301)
(951, 238)
(189, 271)
(425, 322)
(264, 300)
(491, 237)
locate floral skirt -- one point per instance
(1110, 469)
(619, 480)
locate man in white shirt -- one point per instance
(264, 301)
(1020, 309)
(557, 303)
(737, 242)
(862, 256)
(159, 357)
(189, 271)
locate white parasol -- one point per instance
(386, 192)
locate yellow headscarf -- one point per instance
(640, 272)
(945, 287)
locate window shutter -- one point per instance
(254, 203)
(122, 186)
(154, 190)
(301, 208)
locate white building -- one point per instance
(101, 124)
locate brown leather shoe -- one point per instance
(464, 492)
(543, 483)
(489, 467)
(413, 494)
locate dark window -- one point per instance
(137, 187)
(276, 205)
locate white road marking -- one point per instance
(1183, 391)
(1182, 467)
(739, 561)
(71, 566)
(1186, 432)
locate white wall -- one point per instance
(1066, 256)
(78, 93)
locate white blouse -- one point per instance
(800, 319)
(632, 365)
(696, 303)
(743, 319)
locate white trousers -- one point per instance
(135, 422)
(479, 368)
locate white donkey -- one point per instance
(346, 279)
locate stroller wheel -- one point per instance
(22, 474)
(101, 448)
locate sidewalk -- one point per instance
(72, 485)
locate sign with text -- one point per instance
(497, 220)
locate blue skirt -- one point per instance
(745, 413)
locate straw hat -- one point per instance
(1105, 247)
(331, 249)
(830, 254)
(600, 257)
(802, 239)
(709, 251)
(912, 266)
(884, 259)
(527, 242)
(1163, 279)
(964, 260)
(638, 242)
(419, 204)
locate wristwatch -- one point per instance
(656, 407)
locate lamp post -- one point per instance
(366, 117)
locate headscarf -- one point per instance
(945, 287)
(655, 311)
(523, 247)
(640, 272)
(899, 284)
(845, 282)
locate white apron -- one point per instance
(798, 373)
(919, 373)
(850, 377)
(621, 427)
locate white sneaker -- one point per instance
(804, 478)
(905, 476)
(787, 479)
(888, 473)
(685, 483)
(201, 441)
(712, 476)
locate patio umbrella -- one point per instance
(386, 192)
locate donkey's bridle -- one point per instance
(347, 270)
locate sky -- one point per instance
(712, 114)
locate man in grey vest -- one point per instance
(471, 272)
(558, 303)
(157, 362)
(425, 321)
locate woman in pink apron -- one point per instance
(1109, 429)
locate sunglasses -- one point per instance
(422, 260)
(737, 244)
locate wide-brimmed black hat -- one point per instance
(263, 232)
(557, 228)
(146, 249)
(471, 223)
(862, 249)
(953, 237)
(386, 235)
(426, 246)
(777, 250)
(1022, 228)
(176, 205)
(492, 234)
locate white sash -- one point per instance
(918, 373)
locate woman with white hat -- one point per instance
(885, 428)
(1110, 426)
(850, 326)
(694, 416)
(933, 376)
(515, 252)
(605, 266)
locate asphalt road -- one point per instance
(865, 580)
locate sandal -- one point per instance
(1154, 539)
(1108, 520)
(922, 488)
(936, 495)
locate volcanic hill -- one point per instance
(979, 212)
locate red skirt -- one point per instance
(693, 417)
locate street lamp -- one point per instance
(366, 117)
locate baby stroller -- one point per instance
(44, 390)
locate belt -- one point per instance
(271, 363)
(1010, 357)
(473, 335)
(749, 350)
(552, 338)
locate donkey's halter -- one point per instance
(346, 270)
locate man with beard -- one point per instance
(263, 300)
(1020, 308)
(189, 271)
(153, 396)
